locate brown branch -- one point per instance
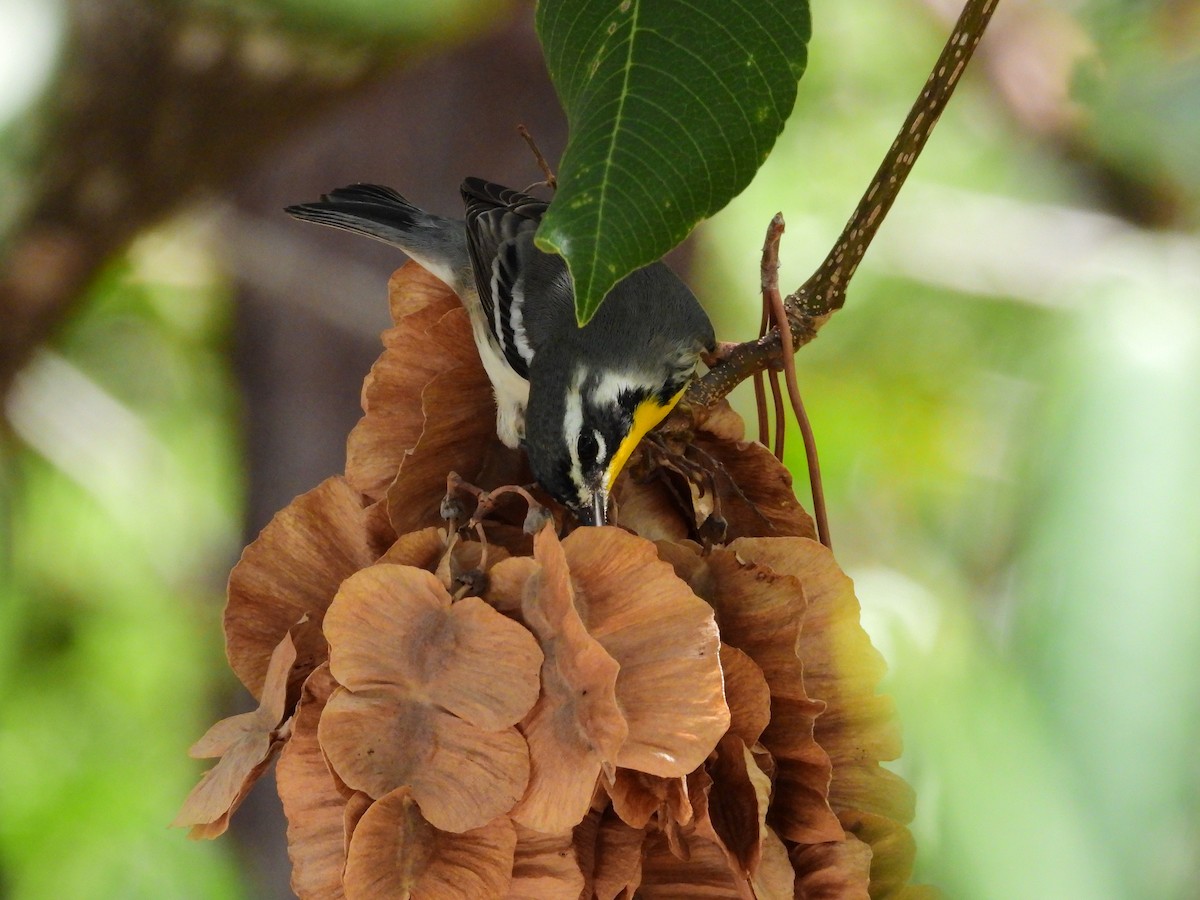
(825, 291)
(155, 103)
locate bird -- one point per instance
(577, 399)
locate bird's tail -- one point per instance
(437, 243)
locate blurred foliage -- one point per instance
(123, 511)
(374, 21)
(1011, 475)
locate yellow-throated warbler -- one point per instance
(577, 399)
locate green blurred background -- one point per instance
(1008, 408)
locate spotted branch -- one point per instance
(811, 305)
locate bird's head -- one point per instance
(580, 432)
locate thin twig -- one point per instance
(760, 390)
(551, 181)
(770, 290)
(487, 500)
(780, 418)
(825, 291)
(760, 404)
(483, 556)
(768, 274)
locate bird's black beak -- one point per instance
(600, 508)
(597, 512)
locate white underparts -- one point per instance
(512, 391)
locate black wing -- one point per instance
(500, 223)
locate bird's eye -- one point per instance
(589, 448)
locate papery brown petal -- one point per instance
(292, 570)
(764, 760)
(422, 549)
(871, 790)
(396, 624)
(858, 728)
(512, 538)
(357, 804)
(413, 663)
(685, 559)
(840, 664)
(414, 351)
(458, 435)
(762, 613)
(648, 509)
(506, 583)
(583, 839)
(610, 854)
(461, 775)
(490, 669)
(663, 636)
(892, 850)
(632, 799)
(396, 853)
(312, 801)
(273, 702)
(413, 289)
(722, 423)
(246, 744)
(704, 874)
(226, 734)
(636, 797)
(838, 870)
(223, 788)
(737, 804)
(544, 867)
(576, 725)
(747, 693)
(764, 501)
(917, 892)
(775, 879)
(700, 786)
(380, 624)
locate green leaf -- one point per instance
(672, 106)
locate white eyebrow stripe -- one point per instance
(613, 384)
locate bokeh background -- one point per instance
(1008, 408)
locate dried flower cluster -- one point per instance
(682, 706)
